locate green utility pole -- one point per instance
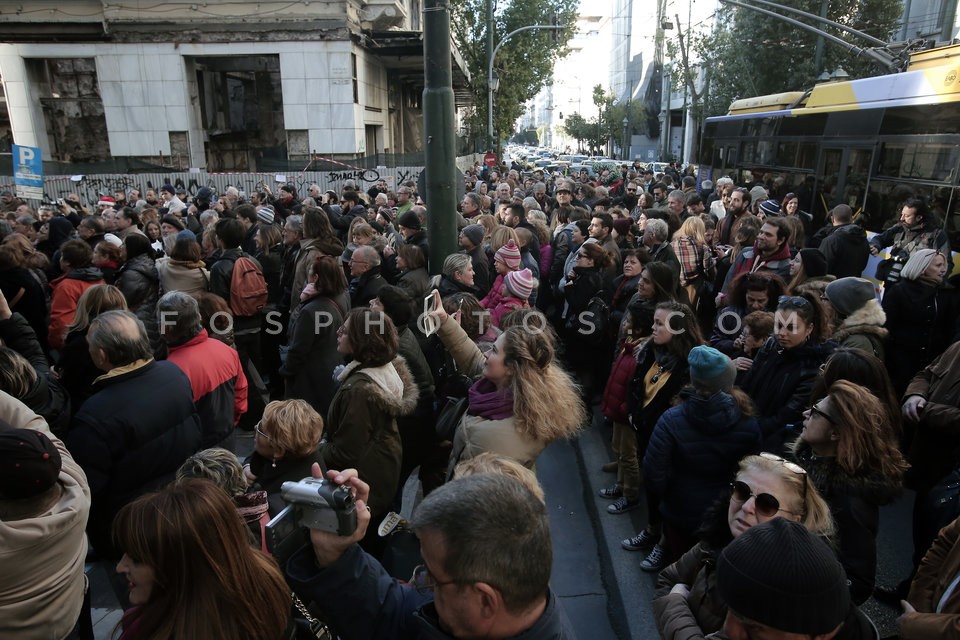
(491, 143)
(439, 128)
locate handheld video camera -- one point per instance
(312, 503)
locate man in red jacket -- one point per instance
(76, 260)
(216, 377)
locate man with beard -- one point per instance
(739, 205)
(770, 253)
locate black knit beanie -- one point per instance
(781, 575)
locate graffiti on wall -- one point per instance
(91, 187)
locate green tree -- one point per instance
(609, 125)
(576, 127)
(524, 64)
(750, 54)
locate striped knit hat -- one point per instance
(508, 255)
(519, 283)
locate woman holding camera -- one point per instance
(192, 572)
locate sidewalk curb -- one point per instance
(629, 590)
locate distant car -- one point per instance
(657, 167)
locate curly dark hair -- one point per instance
(758, 281)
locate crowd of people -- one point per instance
(758, 390)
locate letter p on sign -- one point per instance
(25, 155)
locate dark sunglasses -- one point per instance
(765, 504)
(823, 414)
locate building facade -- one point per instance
(219, 85)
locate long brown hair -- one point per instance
(867, 439)
(209, 582)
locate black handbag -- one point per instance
(306, 627)
(449, 417)
(943, 502)
(401, 549)
(592, 325)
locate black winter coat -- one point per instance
(922, 321)
(365, 288)
(779, 383)
(450, 287)
(855, 503)
(77, 371)
(623, 290)
(693, 454)
(312, 350)
(31, 303)
(130, 437)
(139, 282)
(271, 261)
(46, 396)
(847, 251)
(644, 418)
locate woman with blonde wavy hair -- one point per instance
(523, 400)
(849, 449)
(686, 602)
(696, 262)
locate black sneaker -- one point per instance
(891, 596)
(640, 542)
(611, 493)
(622, 505)
(655, 561)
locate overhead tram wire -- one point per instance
(882, 58)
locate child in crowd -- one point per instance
(506, 260)
(517, 287)
(757, 327)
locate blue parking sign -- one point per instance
(28, 172)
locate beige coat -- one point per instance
(176, 275)
(42, 581)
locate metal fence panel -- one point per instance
(91, 187)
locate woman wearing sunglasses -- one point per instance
(766, 486)
(786, 366)
(849, 450)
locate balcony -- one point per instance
(379, 15)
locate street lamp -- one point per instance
(626, 140)
(493, 82)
